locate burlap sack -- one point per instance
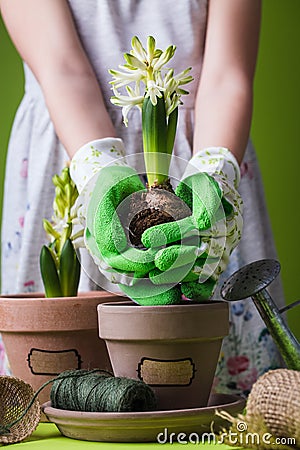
(272, 418)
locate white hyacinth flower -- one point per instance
(154, 91)
(145, 68)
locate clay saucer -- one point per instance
(152, 426)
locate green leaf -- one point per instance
(69, 270)
(49, 273)
(171, 133)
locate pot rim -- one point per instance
(30, 313)
(34, 296)
(131, 306)
(124, 321)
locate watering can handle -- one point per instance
(290, 306)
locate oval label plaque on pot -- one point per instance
(159, 372)
(53, 362)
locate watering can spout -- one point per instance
(252, 281)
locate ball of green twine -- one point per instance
(95, 391)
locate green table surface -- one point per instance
(47, 436)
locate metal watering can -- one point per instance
(252, 281)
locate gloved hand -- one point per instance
(86, 164)
(104, 181)
(113, 186)
(108, 242)
(209, 187)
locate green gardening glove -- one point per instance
(107, 241)
(104, 228)
(163, 287)
(188, 276)
(178, 262)
(209, 187)
(203, 196)
(104, 181)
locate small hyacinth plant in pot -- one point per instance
(47, 333)
(59, 263)
(171, 345)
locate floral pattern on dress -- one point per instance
(239, 365)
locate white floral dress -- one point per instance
(35, 154)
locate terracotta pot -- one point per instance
(173, 348)
(45, 336)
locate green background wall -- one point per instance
(275, 129)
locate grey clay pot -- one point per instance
(173, 348)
